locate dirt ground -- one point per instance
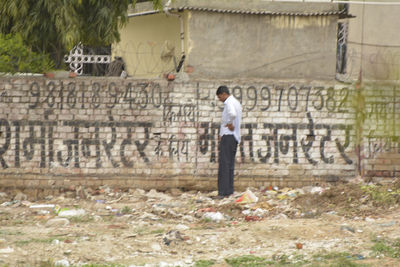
(176, 228)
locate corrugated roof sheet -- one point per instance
(255, 12)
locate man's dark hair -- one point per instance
(222, 89)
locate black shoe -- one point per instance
(219, 197)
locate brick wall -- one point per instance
(159, 134)
(380, 151)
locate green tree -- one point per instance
(55, 26)
(157, 4)
(41, 24)
(17, 57)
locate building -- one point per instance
(373, 42)
(232, 39)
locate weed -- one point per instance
(382, 195)
(207, 220)
(52, 264)
(204, 263)
(389, 248)
(126, 210)
(108, 218)
(158, 231)
(248, 261)
(102, 265)
(35, 240)
(331, 256)
(2, 232)
(141, 230)
(46, 264)
(344, 262)
(18, 222)
(299, 259)
(336, 259)
(81, 219)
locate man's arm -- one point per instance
(232, 115)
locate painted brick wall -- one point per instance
(381, 131)
(158, 134)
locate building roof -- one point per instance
(256, 12)
(250, 7)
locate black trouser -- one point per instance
(227, 152)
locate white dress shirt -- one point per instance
(232, 114)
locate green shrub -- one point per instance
(17, 57)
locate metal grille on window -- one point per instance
(342, 47)
(89, 61)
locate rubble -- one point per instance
(214, 216)
(57, 222)
(62, 263)
(154, 228)
(20, 196)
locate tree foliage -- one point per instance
(157, 4)
(41, 24)
(95, 22)
(17, 57)
(55, 26)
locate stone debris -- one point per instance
(20, 196)
(6, 250)
(172, 237)
(3, 195)
(71, 213)
(62, 263)
(156, 228)
(57, 222)
(214, 216)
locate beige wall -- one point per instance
(377, 27)
(250, 46)
(144, 39)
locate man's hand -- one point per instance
(230, 126)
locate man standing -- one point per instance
(230, 138)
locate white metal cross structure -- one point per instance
(77, 58)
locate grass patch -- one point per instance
(46, 264)
(144, 230)
(382, 195)
(388, 248)
(81, 219)
(330, 256)
(126, 210)
(102, 265)
(158, 231)
(207, 220)
(320, 260)
(4, 232)
(249, 261)
(49, 263)
(343, 262)
(336, 259)
(18, 222)
(204, 263)
(36, 240)
(141, 230)
(108, 218)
